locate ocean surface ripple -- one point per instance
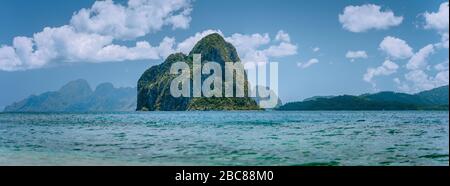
(226, 138)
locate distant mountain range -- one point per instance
(435, 99)
(77, 96)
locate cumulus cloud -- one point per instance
(417, 78)
(420, 77)
(137, 19)
(316, 49)
(365, 17)
(281, 50)
(308, 64)
(142, 50)
(282, 36)
(71, 46)
(422, 81)
(396, 48)
(444, 41)
(8, 59)
(387, 68)
(352, 55)
(259, 48)
(442, 66)
(248, 46)
(91, 34)
(439, 21)
(418, 60)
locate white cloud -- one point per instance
(64, 43)
(422, 81)
(441, 78)
(401, 85)
(138, 18)
(387, 68)
(282, 36)
(418, 60)
(316, 49)
(281, 50)
(181, 20)
(420, 76)
(417, 78)
(396, 48)
(248, 46)
(442, 66)
(9, 61)
(444, 41)
(365, 17)
(352, 55)
(67, 44)
(439, 21)
(142, 50)
(91, 34)
(308, 64)
(259, 48)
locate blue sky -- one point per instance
(323, 47)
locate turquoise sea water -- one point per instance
(226, 138)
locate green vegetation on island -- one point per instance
(435, 99)
(154, 84)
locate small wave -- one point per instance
(435, 156)
(331, 163)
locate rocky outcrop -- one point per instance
(154, 84)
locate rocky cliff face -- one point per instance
(154, 84)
